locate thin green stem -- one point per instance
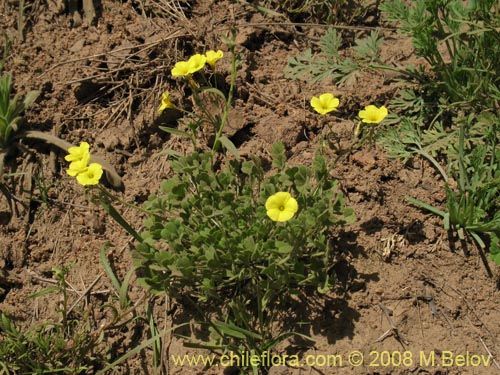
(115, 198)
(461, 165)
(229, 100)
(434, 163)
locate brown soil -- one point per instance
(401, 287)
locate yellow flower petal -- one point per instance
(78, 166)
(372, 114)
(181, 68)
(213, 57)
(165, 102)
(77, 152)
(196, 62)
(291, 205)
(325, 103)
(281, 206)
(91, 176)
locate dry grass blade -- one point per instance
(170, 9)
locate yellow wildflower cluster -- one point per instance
(327, 102)
(186, 69)
(196, 63)
(79, 158)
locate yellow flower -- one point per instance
(91, 176)
(281, 206)
(372, 114)
(324, 103)
(165, 102)
(213, 57)
(78, 166)
(78, 153)
(181, 69)
(196, 62)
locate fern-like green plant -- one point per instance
(471, 208)
(330, 63)
(467, 68)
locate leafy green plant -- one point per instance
(461, 45)
(42, 349)
(216, 242)
(459, 41)
(74, 343)
(318, 11)
(471, 207)
(216, 211)
(330, 63)
(65, 346)
(210, 241)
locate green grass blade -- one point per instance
(426, 206)
(174, 131)
(45, 291)
(107, 266)
(111, 211)
(138, 349)
(124, 300)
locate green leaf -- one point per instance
(368, 48)
(330, 44)
(107, 266)
(123, 294)
(323, 289)
(45, 291)
(226, 142)
(319, 166)
(283, 247)
(215, 91)
(174, 131)
(426, 206)
(30, 98)
(139, 348)
(495, 247)
(111, 211)
(278, 155)
(232, 330)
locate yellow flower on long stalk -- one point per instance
(196, 62)
(373, 115)
(165, 102)
(325, 103)
(91, 176)
(213, 56)
(281, 206)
